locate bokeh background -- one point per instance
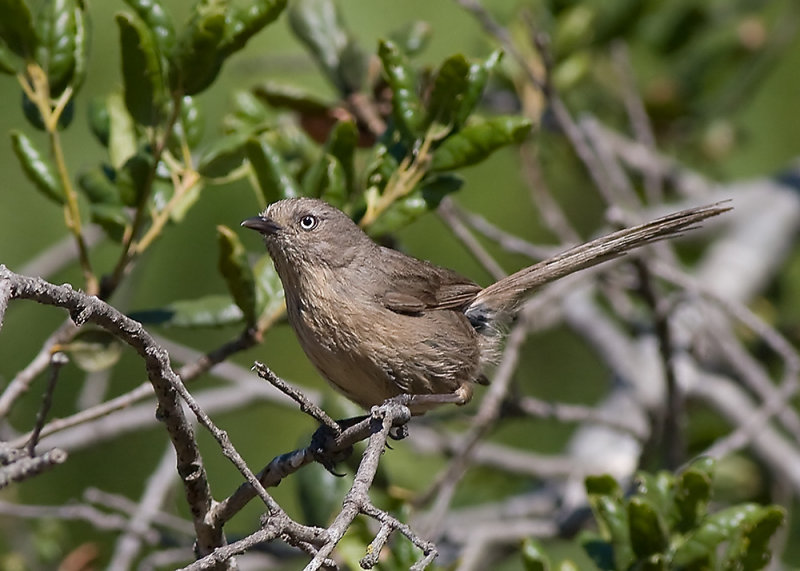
(728, 110)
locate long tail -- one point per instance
(505, 296)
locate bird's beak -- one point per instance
(266, 226)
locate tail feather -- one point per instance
(505, 295)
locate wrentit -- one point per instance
(377, 323)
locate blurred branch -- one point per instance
(156, 489)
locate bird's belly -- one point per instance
(373, 354)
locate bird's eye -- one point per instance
(308, 222)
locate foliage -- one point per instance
(388, 146)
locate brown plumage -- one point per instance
(377, 323)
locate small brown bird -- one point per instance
(378, 323)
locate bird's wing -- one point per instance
(417, 286)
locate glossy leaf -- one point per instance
(189, 126)
(291, 97)
(648, 535)
(341, 144)
(415, 204)
(612, 519)
(319, 493)
(603, 484)
(703, 541)
(413, 38)
(657, 489)
(449, 86)
(55, 52)
(477, 78)
(7, 63)
(319, 25)
(16, 28)
(133, 178)
(478, 140)
(269, 290)
(81, 45)
(198, 57)
(141, 70)
(93, 350)
(34, 115)
(158, 21)
(99, 120)
(122, 142)
(223, 156)
(234, 267)
(208, 311)
(112, 218)
(406, 106)
(99, 187)
(243, 22)
(326, 180)
(272, 173)
(692, 494)
(533, 556)
(599, 550)
(380, 167)
(37, 167)
(750, 549)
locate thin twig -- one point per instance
(306, 405)
(57, 360)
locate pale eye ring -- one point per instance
(308, 222)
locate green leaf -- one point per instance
(122, 142)
(198, 57)
(413, 38)
(99, 186)
(406, 106)
(233, 265)
(750, 550)
(223, 156)
(37, 167)
(272, 173)
(16, 28)
(134, 177)
(612, 520)
(603, 484)
(533, 556)
(55, 52)
(99, 120)
(703, 541)
(112, 218)
(415, 204)
(600, 551)
(658, 490)
(478, 140)
(291, 97)
(93, 349)
(269, 289)
(326, 179)
(243, 22)
(7, 63)
(692, 494)
(319, 493)
(189, 126)
(450, 84)
(477, 78)
(341, 144)
(319, 25)
(648, 535)
(208, 311)
(380, 167)
(158, 21)
(142, 73)
(81, 46)
(34, 115)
